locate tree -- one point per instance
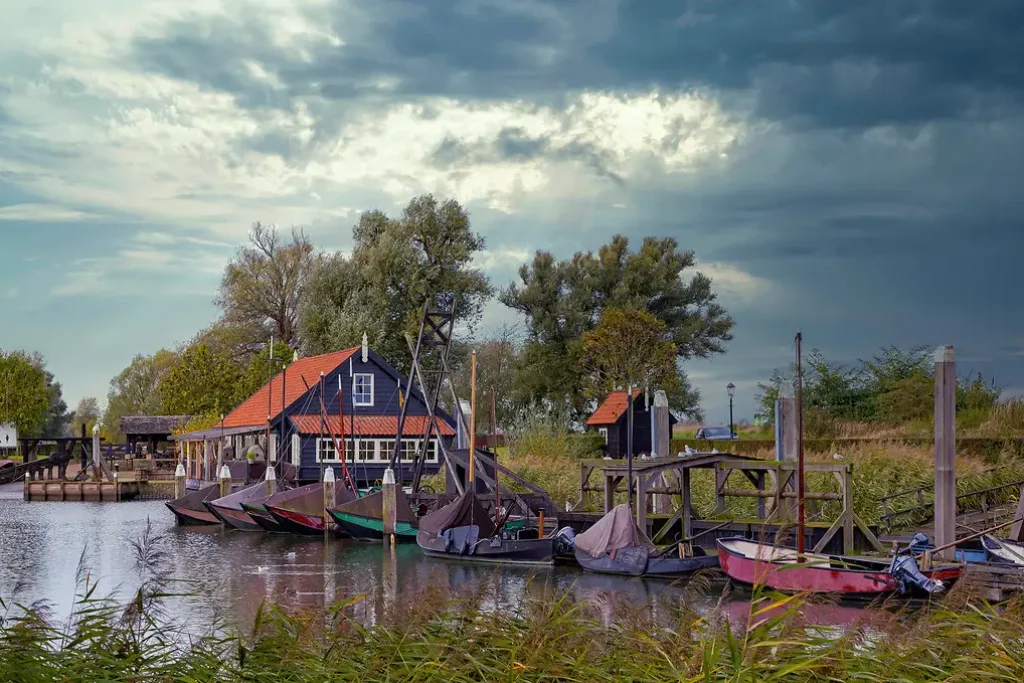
(57, 415)
(86, 414)
(397, 266)
(628, 348)
(24, 395)
(136, 389)
(262, 287)
(563, 300)
(203, 383)
(499, 367)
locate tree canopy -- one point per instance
(86, 414)
(136, 389)
(562, 300)
(396, 267)
(24, 394)
(628, 348)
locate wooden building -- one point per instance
(360, 396)
(153, 431)
(610, 420)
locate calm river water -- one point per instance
(230, 573)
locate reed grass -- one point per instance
(546, 637)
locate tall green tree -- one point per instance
(136, 389)
(263, 286)
(203, 383)
(397, 265)
(628, 348)
(563, 299)
(499, 365)
(86, 414)
(24, 395)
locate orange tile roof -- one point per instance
(368, 425)
(253, 411)
(612, 408)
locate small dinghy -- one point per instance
(363, 518)
(615, 545)
(190, 510)
(464, 530)
(1002, 551)
(301, 510)
(229, 508)
(784, 569)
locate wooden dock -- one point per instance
(126, 486)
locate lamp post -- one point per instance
(731, 389)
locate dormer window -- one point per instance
(362, 389)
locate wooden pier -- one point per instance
(96, 491)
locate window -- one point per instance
(603, 431)
(432, 451)
(366, 450)
(296, 450)
(387, 449)
(362, 389)
(409, 448)
(325, 450)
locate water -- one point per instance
(229, 573)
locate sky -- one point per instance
(851, 170)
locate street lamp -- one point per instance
(731, 389)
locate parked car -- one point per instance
(716, 434)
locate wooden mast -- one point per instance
(472, 414)
(494, 454)
(799, 446)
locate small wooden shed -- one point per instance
(611, 418)
(153, 431)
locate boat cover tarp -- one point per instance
(193, 500)
(615, 530)
(309, 499)
(372, 507)
(465, 510)
(234, 501)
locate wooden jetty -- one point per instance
(52, 490)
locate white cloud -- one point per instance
(12, 293)
(734, 284)
(41, 212)
(502, 258)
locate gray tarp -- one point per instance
(615, 530)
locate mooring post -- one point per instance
(330, 489)
(661, 440)
(389, 505)
(1017, 530)
(207, 460)
(270, 482)
(97, 456)
(945, 449)
(179, 481)
(786, 448)
(225, 481)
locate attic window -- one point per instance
(362, 389)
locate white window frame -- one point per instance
(381, 452)
(296, 450)
(603, 431)
(355, 397)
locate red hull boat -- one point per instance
(229, 508)
(302, 512)
(748, 562)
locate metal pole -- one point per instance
(799, 446)
(629, 443)
(732, 427)
(945, 449)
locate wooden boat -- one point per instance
(748, 562)
(257, 511)
(464, 530)
(363, 518)
(615, 545)
(302, 512)
(229, 508)
(189, 509)
(1003, 551)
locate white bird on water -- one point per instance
(290, 557)
(261, 569)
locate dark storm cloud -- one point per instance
(844, 64)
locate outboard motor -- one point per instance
(908, 575)
(564, 541)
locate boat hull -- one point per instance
(235, 519)
(370, 529)
(1002, 551)
(537, 551)
(641, 564)
(189, 517)
(861, 578)
(264, 519)
(294, 522)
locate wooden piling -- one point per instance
(97, 455)
(225, 481)
(786, 448)
(389, 505)
(330, 489)
(270, 482)
(179, 481)
(945, 449)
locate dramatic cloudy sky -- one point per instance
(851, 169)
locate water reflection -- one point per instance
(231, 573)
